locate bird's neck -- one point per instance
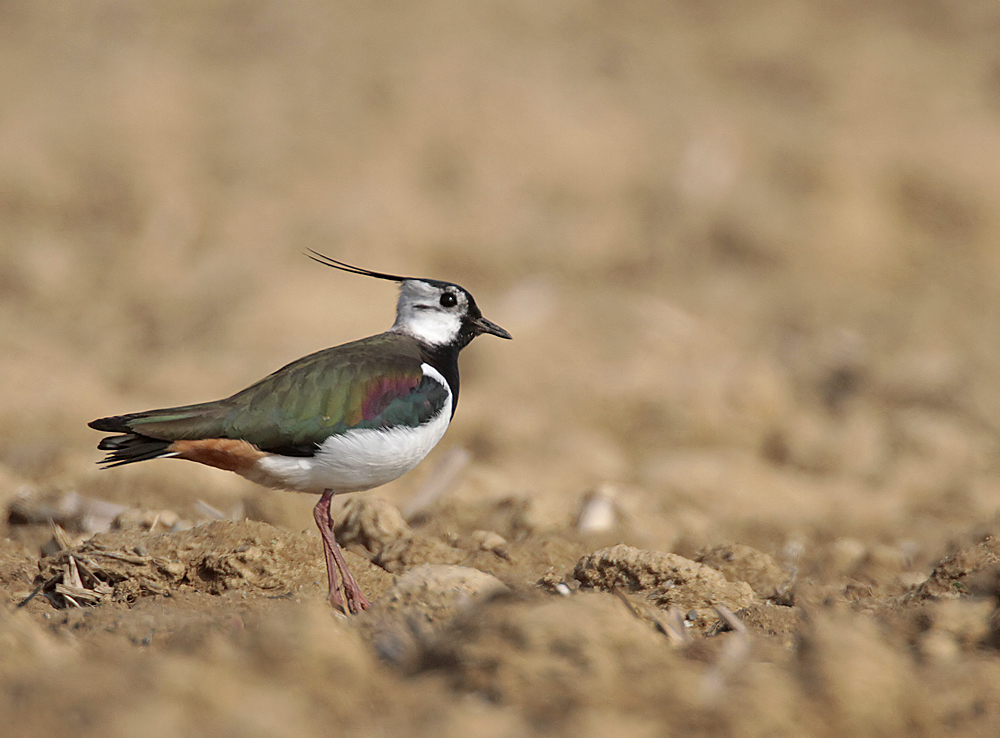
(444, 358)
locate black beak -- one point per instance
(485, 326)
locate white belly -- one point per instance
(358, 460)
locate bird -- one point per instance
(344, 419)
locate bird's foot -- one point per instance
(356, 600)
(352, 601)
(337, 601)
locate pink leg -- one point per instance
(356, 601)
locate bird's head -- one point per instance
(436, 313)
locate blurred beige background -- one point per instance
(748, 253)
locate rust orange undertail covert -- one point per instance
(222, 453)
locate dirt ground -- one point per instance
(737, 474)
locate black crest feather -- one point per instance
(327, 261)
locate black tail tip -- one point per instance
(129, 448)
(113, 424)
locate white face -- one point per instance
(430, 313)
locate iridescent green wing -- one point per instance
(373, 383)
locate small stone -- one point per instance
(938, 647)
(911, 579)
(436, 593)
(739, 563)
(597, 512)
(488, 540)
(403, 623)
(373, 523)
(173, 569)
(845, 555)
(881, 563)
(967, 621)
(667, 579)
(249, 553)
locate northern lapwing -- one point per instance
(345, 419)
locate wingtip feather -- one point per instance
(112, 424)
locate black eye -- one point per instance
(449, 300)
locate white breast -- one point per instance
(358, 460)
